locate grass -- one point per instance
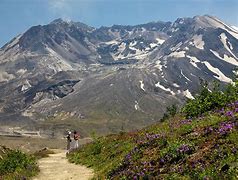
(113, 152)
(15, 164)
(198, 148)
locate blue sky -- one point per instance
(18, 15)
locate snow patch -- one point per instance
(142, 86)
(139, 54)
(223, 39)
(226, 27)
(21, 71)
(136, 106)
(235, 72)
(226, 58)
(133, 43)
(193, 61)
(179, 54)
(143, 29)
(152, 45)
(231, 47)
(26, 85)
(164, 88)
(176, 85)
(216, 71)
(118, 55)
(175, 30)
(188, 94)
(198, 42)
(160, 41)
(185, 76)
(158, 65)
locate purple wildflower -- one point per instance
(236, 104)
(162, 161)
(225, 127)
(184, 149)
(208, 130)
(186, 121)
(229, 113)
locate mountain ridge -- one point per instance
(70, 75)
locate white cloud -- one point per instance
(61, 8)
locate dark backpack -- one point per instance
(76, 136)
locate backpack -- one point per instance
(76, 136)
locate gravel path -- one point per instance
(57, 167)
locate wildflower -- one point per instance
(184, 149)
(222, 111)
(236, 104)
(208, 130)
(161, 161)
(226, 127)
(128, 156)
(229, 113)
(186, 121)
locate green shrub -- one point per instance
(170, 112)
(15, 164)
(208, 100)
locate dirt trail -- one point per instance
(57, 167)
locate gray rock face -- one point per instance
(69, 75)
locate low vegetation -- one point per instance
(15, 164)
(200, 143)
(43, 153)
(208, 100)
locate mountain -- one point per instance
(68, 75)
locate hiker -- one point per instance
(76, 140)
(68, 137)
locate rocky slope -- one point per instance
(70, 75)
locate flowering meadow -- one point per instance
(204, 146)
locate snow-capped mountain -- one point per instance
(111, 77)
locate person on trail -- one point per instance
(68, 137)
(76, 140)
